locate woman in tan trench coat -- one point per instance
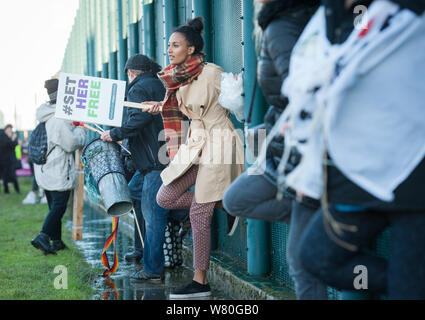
(212, 155)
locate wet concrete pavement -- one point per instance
(119, 286)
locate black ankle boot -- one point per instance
(42, 242)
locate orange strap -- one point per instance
(113, 237)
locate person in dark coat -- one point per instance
(8, 142)
(143, 131)
(276, 16)
(343, 258)
(254, 195)
(282, 23)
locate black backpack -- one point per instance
(37, 144)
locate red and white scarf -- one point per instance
(173, 77)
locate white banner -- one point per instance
(90, 99)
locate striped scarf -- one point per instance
(173, 77)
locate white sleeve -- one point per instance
(68, 137)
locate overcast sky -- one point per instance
(33, 37)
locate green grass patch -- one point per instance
(25, 272)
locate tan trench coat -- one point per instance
(212, 141)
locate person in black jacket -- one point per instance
(143, 132)
(8, 142)
(282, 23)
(254, 195)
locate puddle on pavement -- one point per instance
(119, 286)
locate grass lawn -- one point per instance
(25, 272)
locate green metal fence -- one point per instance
(107, 32)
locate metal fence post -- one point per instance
(133, 35)
(258, 241)
(170, 21)
(113, 32)
(202, 8)
(149, 28)
(90, 38)
(122, 41)
(98, 37)
(105, 38)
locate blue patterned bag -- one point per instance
(37, 145)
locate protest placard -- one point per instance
(90, 99)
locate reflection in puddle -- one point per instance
(110, 285)
(119, 286)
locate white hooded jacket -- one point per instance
(370, 117)
(58, 173)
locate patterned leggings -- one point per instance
(175, 196)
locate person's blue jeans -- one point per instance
(402, 276)
(136, 187)
(307, 287)
(57, 202)
(155, 221)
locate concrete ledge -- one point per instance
(236, 283)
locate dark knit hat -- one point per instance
(51, 85)
(142, 63)
(52, 88)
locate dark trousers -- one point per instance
(307, 287)
(8, 175)
(401, 276)
(254, 197)
(57, 201)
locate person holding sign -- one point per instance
(57, 176)
(142, 130)
(193, 88)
